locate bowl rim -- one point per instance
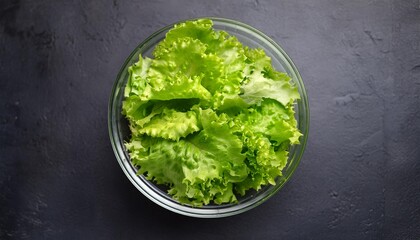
(167, 202)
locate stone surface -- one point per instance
(359, 177)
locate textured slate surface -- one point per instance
(359, 177)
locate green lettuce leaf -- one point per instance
(262, 81)
(272, 120)
(171, 124)
(199, 169)
(137, 75)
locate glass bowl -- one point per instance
(119, 131)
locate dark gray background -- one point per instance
(359, 177)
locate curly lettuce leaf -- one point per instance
(198, 169)
(200, 30)
(272, 120)
(171, 124)
(266, 131)
(137, 75)
(264, 162)
(220, 64)
(262, 81)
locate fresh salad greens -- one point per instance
(209, 117)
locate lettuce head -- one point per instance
(210, 118)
